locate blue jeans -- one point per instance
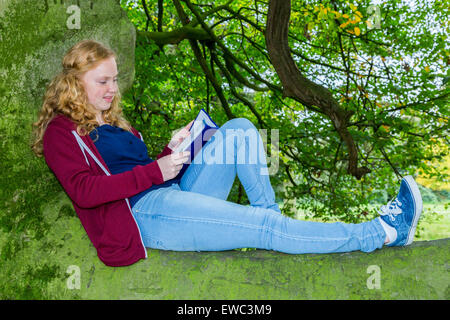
(194, 215)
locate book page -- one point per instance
(201, 121)
(196, 130)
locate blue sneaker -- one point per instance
(403, 212)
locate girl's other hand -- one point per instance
(171, 164)
(178, 137)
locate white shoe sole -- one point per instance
(417, 198)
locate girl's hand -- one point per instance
(171, 164)
(178, 137)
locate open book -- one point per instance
(202, 129)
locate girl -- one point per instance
(127, 201)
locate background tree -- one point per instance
(358, 92)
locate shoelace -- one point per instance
(391, 209)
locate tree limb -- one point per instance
(301, 89)
(175, 36)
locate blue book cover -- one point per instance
(202, 129)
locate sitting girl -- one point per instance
(127, 201)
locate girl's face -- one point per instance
(100, 84)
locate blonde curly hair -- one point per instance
(66, 95)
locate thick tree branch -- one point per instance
(174, 36)
(301, 89)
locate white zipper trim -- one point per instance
(84, 147)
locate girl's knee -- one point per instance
(239, 123)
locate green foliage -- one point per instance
(390, 75)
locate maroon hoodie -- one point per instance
(99, 198)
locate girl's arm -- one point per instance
(66, 160)
(166, 151)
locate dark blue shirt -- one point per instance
(122, 151)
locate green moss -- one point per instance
(34, 37)
(419, 271)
